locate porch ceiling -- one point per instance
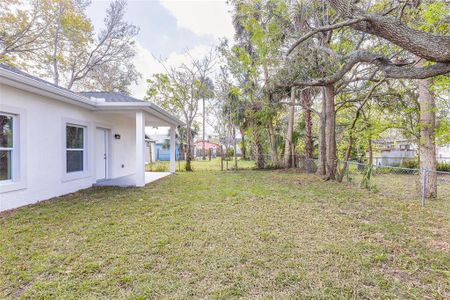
(153, 121)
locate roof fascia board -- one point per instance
(122, 105)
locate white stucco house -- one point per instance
(54, 141)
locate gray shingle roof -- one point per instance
(110, 96)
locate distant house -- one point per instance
(210, 147)
(392, 152)
(158, 145)
(163, 152)
(443, 154)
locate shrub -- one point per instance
(230, 152)
(443, 167)
(410, 164)
(414, 164)
(157, 166)
(272, 165)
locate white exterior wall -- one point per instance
(392, 157)
(42, 146)
(443, 154)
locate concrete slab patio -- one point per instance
(153, 176)
(126, 181)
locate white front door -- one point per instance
(101, 147)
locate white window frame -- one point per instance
(19, 160)
(69, 176)
(13, 149)
(83, 149)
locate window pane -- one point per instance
(6, 131)
(74, 137)
(5, 165)
(74, 161)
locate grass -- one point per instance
(404, 186)
(250, 234)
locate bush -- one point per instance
(414, 164)
(230, 152)
(443, 167)
(410, 164)
(157, 166)
(272, 165)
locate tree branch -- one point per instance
(322, 29)
(423, 44)
(389, 70)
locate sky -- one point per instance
(168, 29)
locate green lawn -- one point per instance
(404, 187)
(251, 234)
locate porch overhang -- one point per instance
(160, 116)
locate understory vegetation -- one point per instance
(215, 234)
(200, 165)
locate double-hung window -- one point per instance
(7, 144)
(75, 148)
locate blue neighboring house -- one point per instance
(160, 147)
(162, 152)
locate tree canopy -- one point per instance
(55, 39)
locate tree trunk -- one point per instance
(204, 122)
(342, 171)
(427, 147)
(258, 149)
(244, 152)
(235, 149)
(273, 146)
(227, 158)
(330, 133)
(288, 144)
(340, 176)
(188, 150)
(182, 152)
(221, 157)
(308, 139)
(150, 152)
(321, 168)
(370, 162)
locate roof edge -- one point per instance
(17, 80)
(41, 85)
